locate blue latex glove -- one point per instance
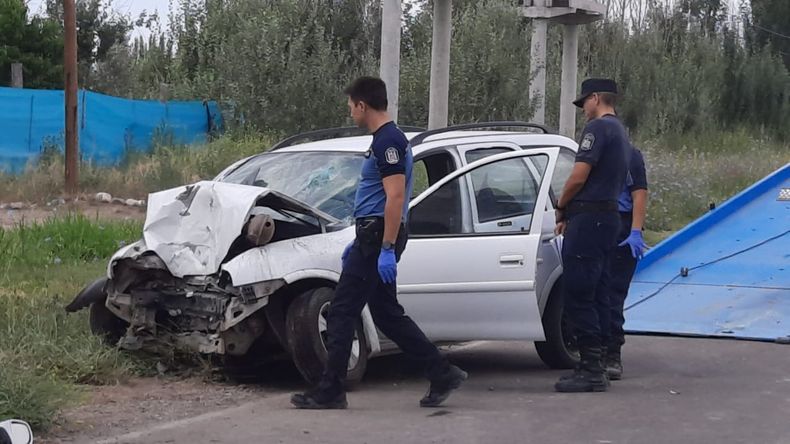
(388, 266)
(636, 243)
(346, 251)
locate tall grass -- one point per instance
(687, 174)
(44, 352)
(138, 173)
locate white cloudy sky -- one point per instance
(133, 8)
(130, 8)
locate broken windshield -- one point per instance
(324, 180)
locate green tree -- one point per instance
(771, 25)
(35, 42)
(98, 30)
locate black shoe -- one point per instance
(589, 375)
(440, 388)
(318, 400)
(614, 365)
(582, 381)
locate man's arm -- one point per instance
(395, 189)
(640, 209)
(574, 184)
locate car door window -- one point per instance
(480, 153)
(441, 213)
(431, 168)
(505, 194)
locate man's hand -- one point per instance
(559, 229)
(559, 219)
(636, 243)
(388, 266)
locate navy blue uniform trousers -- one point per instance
(589, 239)
(360, 284)
(622, 265)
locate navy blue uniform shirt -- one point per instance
(636, 179)
(389, 154)
(605, 146)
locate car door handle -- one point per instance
(514, 260)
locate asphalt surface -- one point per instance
(675, 390)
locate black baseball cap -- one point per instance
(590, 86)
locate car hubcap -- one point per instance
(353, 358)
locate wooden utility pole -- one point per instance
(70, 79)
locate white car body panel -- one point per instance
(491, 286)
(495, 298)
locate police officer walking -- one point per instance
(587, 215)
(632, 205)
(370, 261)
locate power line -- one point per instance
(770, 31)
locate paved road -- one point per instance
(676, 390)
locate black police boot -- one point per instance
(614, 363)
(589, 375)
(441, 387)
(318, 399)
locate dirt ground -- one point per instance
(39, 212)
(109, 410)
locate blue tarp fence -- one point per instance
(109, 127)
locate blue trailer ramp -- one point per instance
(725, 275)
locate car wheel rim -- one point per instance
(353, 358)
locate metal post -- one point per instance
(570, 55)
(440, 64)
(389, 70)
(70, 79)
(17, 76)
(537, 85)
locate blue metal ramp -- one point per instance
(725, 275)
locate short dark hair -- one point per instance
(608, 98)
(370, 90)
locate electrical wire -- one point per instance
(680, 274)
(770, 31)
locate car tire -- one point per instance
(105, 324)
(306, 335)
(559, 350)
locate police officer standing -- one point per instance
(632, 205)
(370, 261)
(587, 215)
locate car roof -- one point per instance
(360, 144)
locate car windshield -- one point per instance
(324, 180)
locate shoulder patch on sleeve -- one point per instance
(391, 155)
(587, 142)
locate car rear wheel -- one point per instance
(306, 327)
(559, 351)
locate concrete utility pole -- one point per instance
(570, 14)
(70, 80)
(570, 56)
(440, 64)
(17, 76)
(537, 87)
(389, 70)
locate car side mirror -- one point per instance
(15, 432)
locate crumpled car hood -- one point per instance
(191, 228)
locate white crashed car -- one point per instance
(482, 262)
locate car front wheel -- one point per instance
(306, 327)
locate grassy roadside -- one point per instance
(46, 354)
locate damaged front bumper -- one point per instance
(203, 314)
